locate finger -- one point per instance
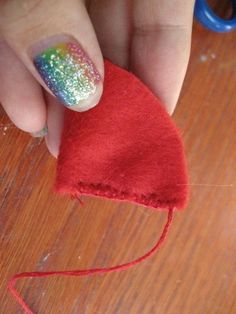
(55, 120)
(111, 20)
(20, 94)
(161, 45)
(58, 45)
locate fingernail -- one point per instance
(40, 133)
(68, 72)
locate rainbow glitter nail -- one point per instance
(68, 72)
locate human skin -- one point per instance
(151, 38)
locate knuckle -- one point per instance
(21, 21)
(18, 9)
(17, 14)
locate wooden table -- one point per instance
(194, 273)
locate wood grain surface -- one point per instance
(193, 273)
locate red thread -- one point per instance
(78, 198)
(87, 272)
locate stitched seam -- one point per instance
(108, 191)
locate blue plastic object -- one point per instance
(209, 19)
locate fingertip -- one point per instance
(91, 102)
(67, 72)
(53, 147)
(21, 95)
(33, 124)
(171, 108)
(55, 121)
(41, 133)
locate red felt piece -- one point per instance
(126, 148)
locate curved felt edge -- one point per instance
(80, 171)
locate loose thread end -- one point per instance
(88, 272)
(78, 198)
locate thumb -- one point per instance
(56, 42)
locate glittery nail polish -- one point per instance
(68, 72)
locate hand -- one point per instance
(44, 44)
